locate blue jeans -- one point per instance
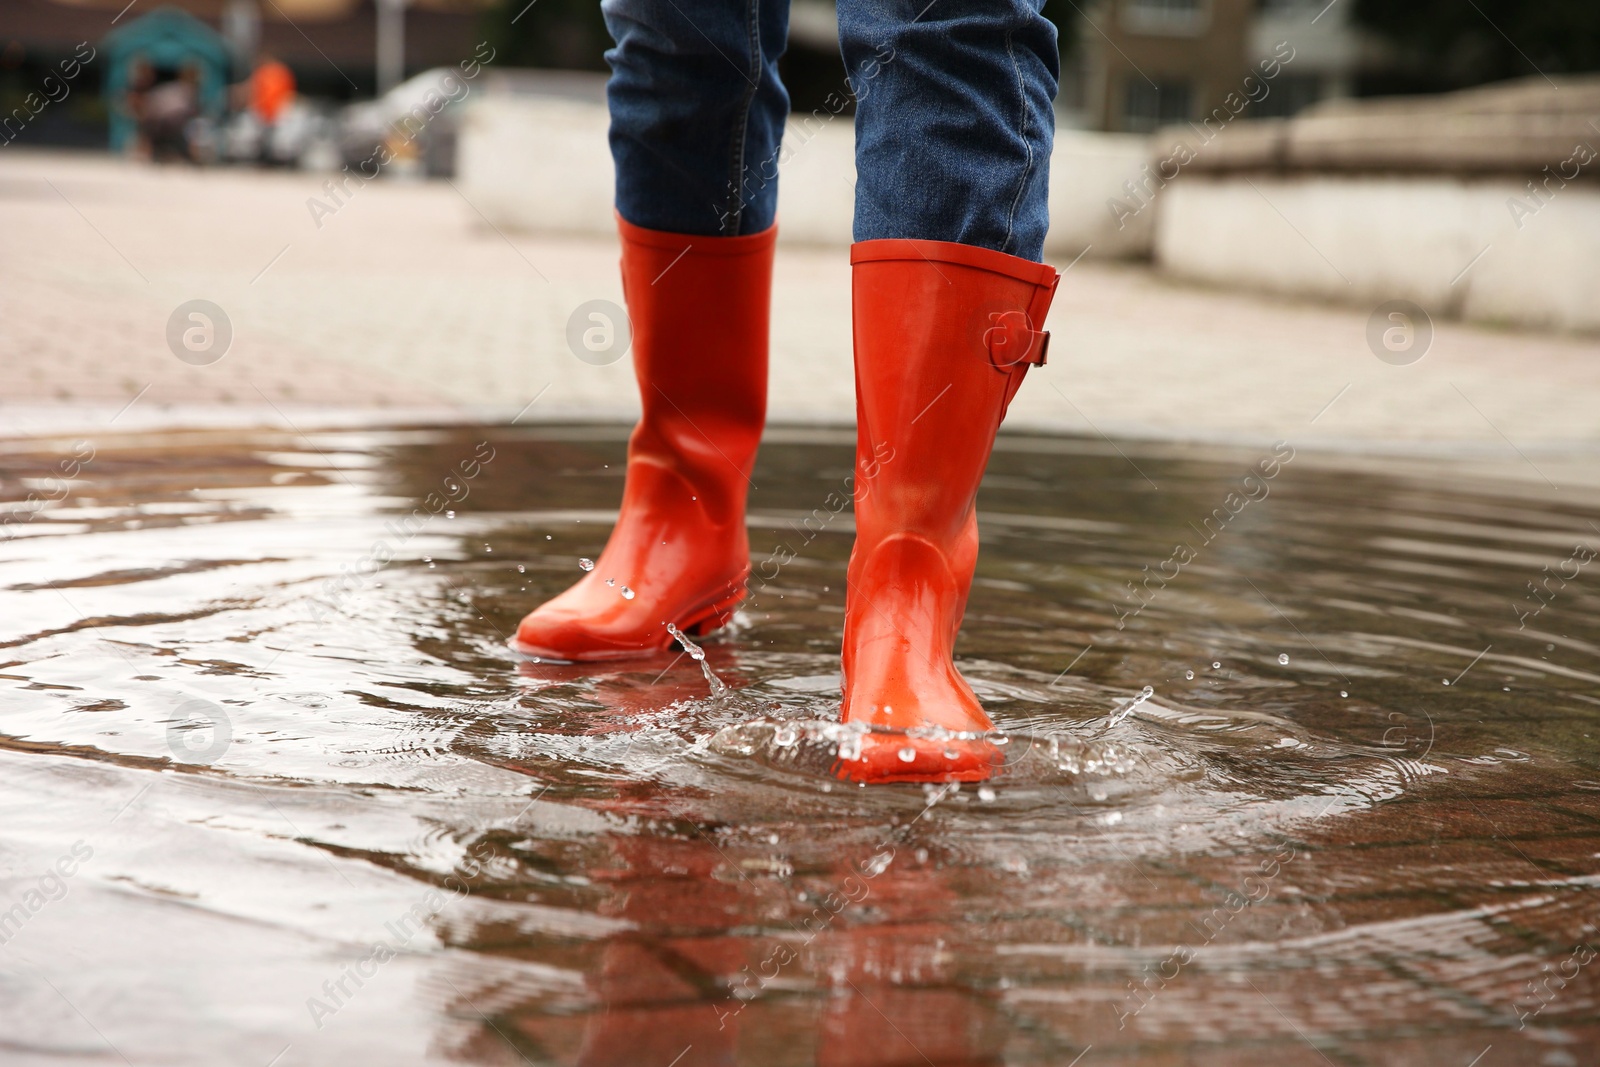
(954, 116)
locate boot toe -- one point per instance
(889, 758)
(558, 636)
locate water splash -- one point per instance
(698, 654)
(585, 564)
(812, 746)
(1117, 716)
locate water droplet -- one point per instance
(907, 754)
(547, 537)
(521, 569)
(1343, 693)
(1217, 665)
(486, 548)
(449, 514)
(985, 794)
(611, 581)
(627, 594)
(1189, 675)
(698, 654)
(1283, 659)
(430, 564)
(586, 564)
(949, 753)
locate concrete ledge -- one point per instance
(1486, 251)
(1514, 129)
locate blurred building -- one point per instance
(1136, 65)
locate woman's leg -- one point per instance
(954, 121)
(953, 135)
(696, 110)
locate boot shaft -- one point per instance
(943, 336)
(699, 310)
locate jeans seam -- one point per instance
(742, 131)
(1027, 169)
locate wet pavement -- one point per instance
(1301, 768)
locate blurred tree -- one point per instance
(1450, 44)
(565, 34)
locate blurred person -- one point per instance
(954, 126)
(166, 111)
(269, 92)
(131, 102)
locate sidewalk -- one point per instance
(404, 304)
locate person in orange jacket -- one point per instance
(954, 125)
(271, 90)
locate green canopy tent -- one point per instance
(167, 40)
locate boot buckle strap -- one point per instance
(1013, 340)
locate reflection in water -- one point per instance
(1327, 795)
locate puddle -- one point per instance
(1299, 767)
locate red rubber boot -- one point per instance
(679, 552)
(943, 336)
